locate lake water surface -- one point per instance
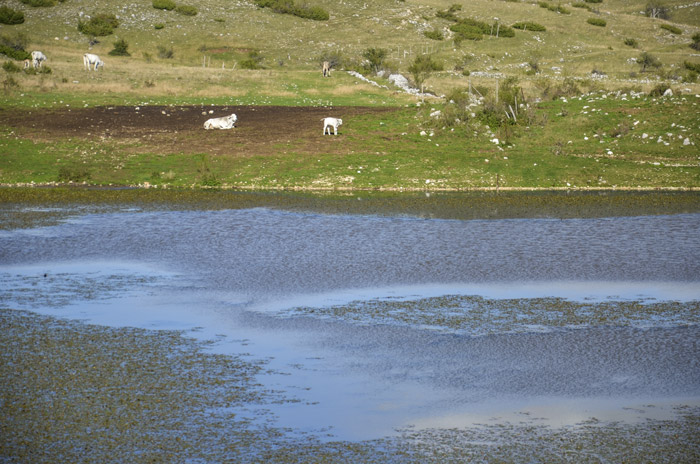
(379, 322)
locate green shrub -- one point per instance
(186, 10)
(696, 41)
(655, 9)
(10, 67)
(73, 174)
(597, 22)
(449, 14)
(39, 3)
(120, 48)
(434, 35)
(692, 66)
(671, 29)
(422, 67)
(529, 26)
(630, 42)
(375, 57)
(10, 16)
(594, 1)
(470, 29)
(99, 25)
(502, 30)
(42, 70)
(466, 32)
(581, 5)
(659, 90)
(19, 55)
(315, 13)
(164, 4)
(647, 60)
(252, 61)
(555, 8)
(165, 53)
(159, 26)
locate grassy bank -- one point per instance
(600, 140)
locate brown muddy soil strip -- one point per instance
(260, 130)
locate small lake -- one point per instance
(380, 319)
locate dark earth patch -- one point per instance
(260, 130)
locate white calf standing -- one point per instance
(38, 59)
(326, 69)
(331, 122)
(91, 61)
(225, 122)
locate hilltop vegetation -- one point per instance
(492, 70)
(480, 38)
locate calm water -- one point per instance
(240, 274)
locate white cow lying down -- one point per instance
(91, 61)
(331, 122)
(226, 122)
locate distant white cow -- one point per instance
(38, 59)
(225, 122)
(91, 61)
(329, 123)
(326, 69)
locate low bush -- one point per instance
(449, 14)
(594, 1)
(99, 25)
(11, 67)
(655, 9)
(165, 53)
(164, 4)
(470, 29)
(555, 8)
(73, 174)
(672, 29)
(647, 60)
(159, 26)
(696, 42)
(659, 90)
(120, 48)
(631, 42)
(529, 26)
(10, 16)
(19, 55)
(40, 3)
(34, 71)
(315, 13)
(597, 22)
(252, 61)
(434, 35)
(186, 10)
(375, 58)
(692, 66)
(581, 5)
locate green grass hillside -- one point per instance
(223, 34)
(565, 99)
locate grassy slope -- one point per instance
(222, 34)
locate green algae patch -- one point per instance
(475, 315)
(73, 392)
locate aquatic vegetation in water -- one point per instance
(475, 315)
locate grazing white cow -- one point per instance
(329, 123)
(38, 59)
(91, 61)
(225, 122)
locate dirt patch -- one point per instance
(260, 130)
